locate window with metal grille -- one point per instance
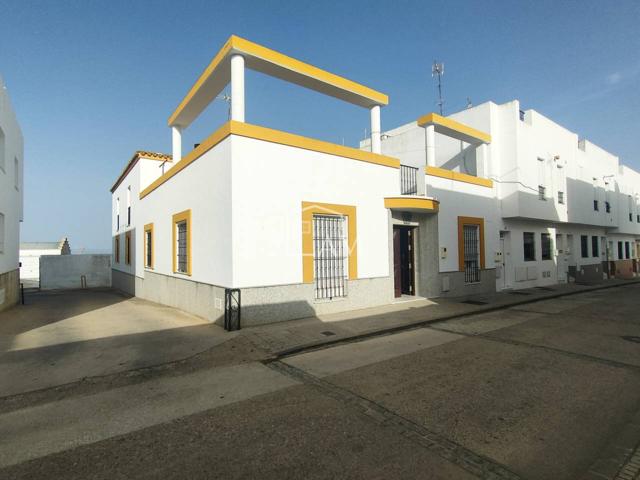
(128, 206)
(596, 207)
(116, 248)
(542, 191)
(584, 246)
(408, 180)
(181, 228)
(561, 198)
(148, 246)
(545, 243)
(471, 234)
(595, 251)
(127, 248)
(529, 246)
(607, 207)
(330, 256)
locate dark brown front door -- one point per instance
(403, 264)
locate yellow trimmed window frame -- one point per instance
(184, 216)
(311, 208)
(127, 247)
(462, 221)
(148, 232)
(116, 247)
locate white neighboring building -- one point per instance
(566, 209)
(11, 199)
(30, 253)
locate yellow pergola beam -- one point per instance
(270, 62)
(454, 129)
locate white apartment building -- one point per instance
(11, 199)
(565, 209)
(485, 199)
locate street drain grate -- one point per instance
(519, 292)
(327, 333)
(475, 302)
(631, 338)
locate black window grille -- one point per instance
(329, 256)
(182, 247)
(522, 115)
(542, 191)
(408, 180)
(127, 248)
(620, 255)
(471, 253)
(545, 243)
(128, 215)
(561, 197)
(117, 222)
(595, 247)
(148, 250)
(529, 246)
(596, 207)
(638, 218)
(627, 250)
(584, 246)
(607, 207)
(630, 217)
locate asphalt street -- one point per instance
(540, 391)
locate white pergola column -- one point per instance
(376, 146)
(430, 140)
(482, 161)
(237, 88)
(176, 142)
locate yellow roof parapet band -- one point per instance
(453, 128)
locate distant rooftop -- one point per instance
(59, 245)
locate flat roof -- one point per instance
(262, 59)
(162, 157)
(452, 128)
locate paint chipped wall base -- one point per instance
(9, 289)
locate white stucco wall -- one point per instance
(11, 195)
(205, 188)
(75, 271)
(270, 182)
(30, 262)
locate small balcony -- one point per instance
(408, 180)
(412, 196)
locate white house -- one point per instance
(30, 253)
(442, 206)
(11, 199)
(301, 226)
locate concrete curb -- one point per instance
(321, 344)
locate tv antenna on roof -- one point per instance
(226, 98)
(437, 69)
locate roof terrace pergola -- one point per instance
(228, 66)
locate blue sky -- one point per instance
(93, 81)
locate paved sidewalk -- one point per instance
(62, 337)
(293, 336)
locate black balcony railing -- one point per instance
(408, 180)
